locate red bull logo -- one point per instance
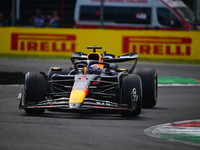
(42, 42)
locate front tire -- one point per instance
(131, 89)
(35, 91)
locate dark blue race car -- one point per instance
(94, 82)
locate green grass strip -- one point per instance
(176, 80)
(193, 139)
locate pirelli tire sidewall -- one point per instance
(149, 85)
(131, 85)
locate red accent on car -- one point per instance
(86, 91)
(83, 79)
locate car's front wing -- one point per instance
(63, 103)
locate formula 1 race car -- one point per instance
(95, 82)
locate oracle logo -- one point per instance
(148, 45)
(34, 42)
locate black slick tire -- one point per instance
(35, 91)
(149, 85)
(131, 86)
(64, 71)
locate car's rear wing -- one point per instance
(123, 58)
(106, 57)
(109, 58)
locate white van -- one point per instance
(134, 14)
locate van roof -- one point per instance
(170, 3)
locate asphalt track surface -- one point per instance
(61, 130)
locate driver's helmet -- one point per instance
(94, 69)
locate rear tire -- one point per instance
(65, 71)
(131, 86)
(35, 91)
(149, 85)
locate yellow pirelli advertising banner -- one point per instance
(183, 45)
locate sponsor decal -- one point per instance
(34, 42)
(160, 46)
